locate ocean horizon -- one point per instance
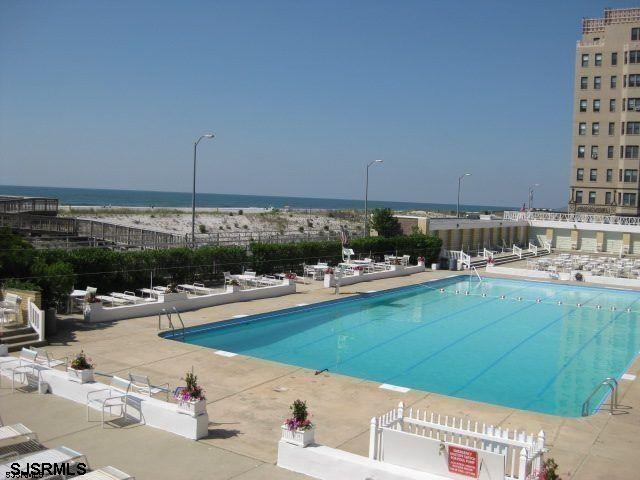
(99, 197)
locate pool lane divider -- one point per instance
(394, 388)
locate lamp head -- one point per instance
(208, 135)
(379, 161)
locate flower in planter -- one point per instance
(329, 271)
(192, 392)
(420, 259)
(299, 417)
(81, 362)
(290, 276)
(233, 282)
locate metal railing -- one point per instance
(171, 325)
(572, 217)
(610, 382)
(533, 249)
(39, 205)
(517, 251)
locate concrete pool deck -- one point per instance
(248, 398)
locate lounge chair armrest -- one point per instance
(97, 391)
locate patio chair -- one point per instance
(141, 384)
(405, 260)
(54, 456)
(27, 362)
(116, 395)
(10, 433)
(107, 473)
(45, 357)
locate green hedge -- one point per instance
(55, 272)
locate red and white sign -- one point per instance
(463, 461)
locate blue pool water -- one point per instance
(524, 351)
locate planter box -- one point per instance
(80, 376)
(194, 409)
(301, 438)
(233, 288)
(4, 350)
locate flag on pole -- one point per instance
(344, 236)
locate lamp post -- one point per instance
(459, 185)
(366, 197)
(531, 188)
(193, 196)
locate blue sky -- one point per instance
(301, 95)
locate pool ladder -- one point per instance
(168, 315)
(610, 382)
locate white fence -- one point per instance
(517, 251)
(435, 443)
(35, 318)
(533, 248)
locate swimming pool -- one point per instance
(519, 344)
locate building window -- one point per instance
(598, 60)
(634, 80)
(612, 128)
(629, 199)
(632, 128)
(594, 152)
(630, 175)
(609, 175)
(614, 81)
(635, 34)
(607, 198)
(596, 105)
(585, 59)
(634, 56)
(597, 82)
(614, 58)
(578, 196)
(595, 128)
(592, 197)
(584, 83)
(583, 106)
(581, 151)
(631, 151)
(612, 105)
(582, 128)
(633, 104)
(593, 175)
(610, 151)
(580, 174)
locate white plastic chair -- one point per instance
(106, 398)
(55, 456)
(142, 384)
(106, 473)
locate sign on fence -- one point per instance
(463, 461)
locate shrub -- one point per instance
(202, 228)
(385, 223)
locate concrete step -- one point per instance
(24, 337)
(15, 347)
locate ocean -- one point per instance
(147, 198)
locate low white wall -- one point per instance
(396, 271)
(587, 277)
(153, 412)
(523, 272)
(97, 312)
(328, 463)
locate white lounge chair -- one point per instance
(10, 433)
(405, 260)
(116, 395)
(45, 357)
(54, 456)
(107, 473)
(142, 384)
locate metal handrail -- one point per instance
(610, 382)
(175, 310)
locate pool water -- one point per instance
(498, 341)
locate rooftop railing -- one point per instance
(572, 217)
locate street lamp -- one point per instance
(459, 185)
(531, 188)
(366, 197)
(193, 196)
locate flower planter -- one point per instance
(193, 408)
(302, 438)
(233, 288)
(81, 376)
(4, 350)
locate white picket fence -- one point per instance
(35, 317)
(523, 452)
